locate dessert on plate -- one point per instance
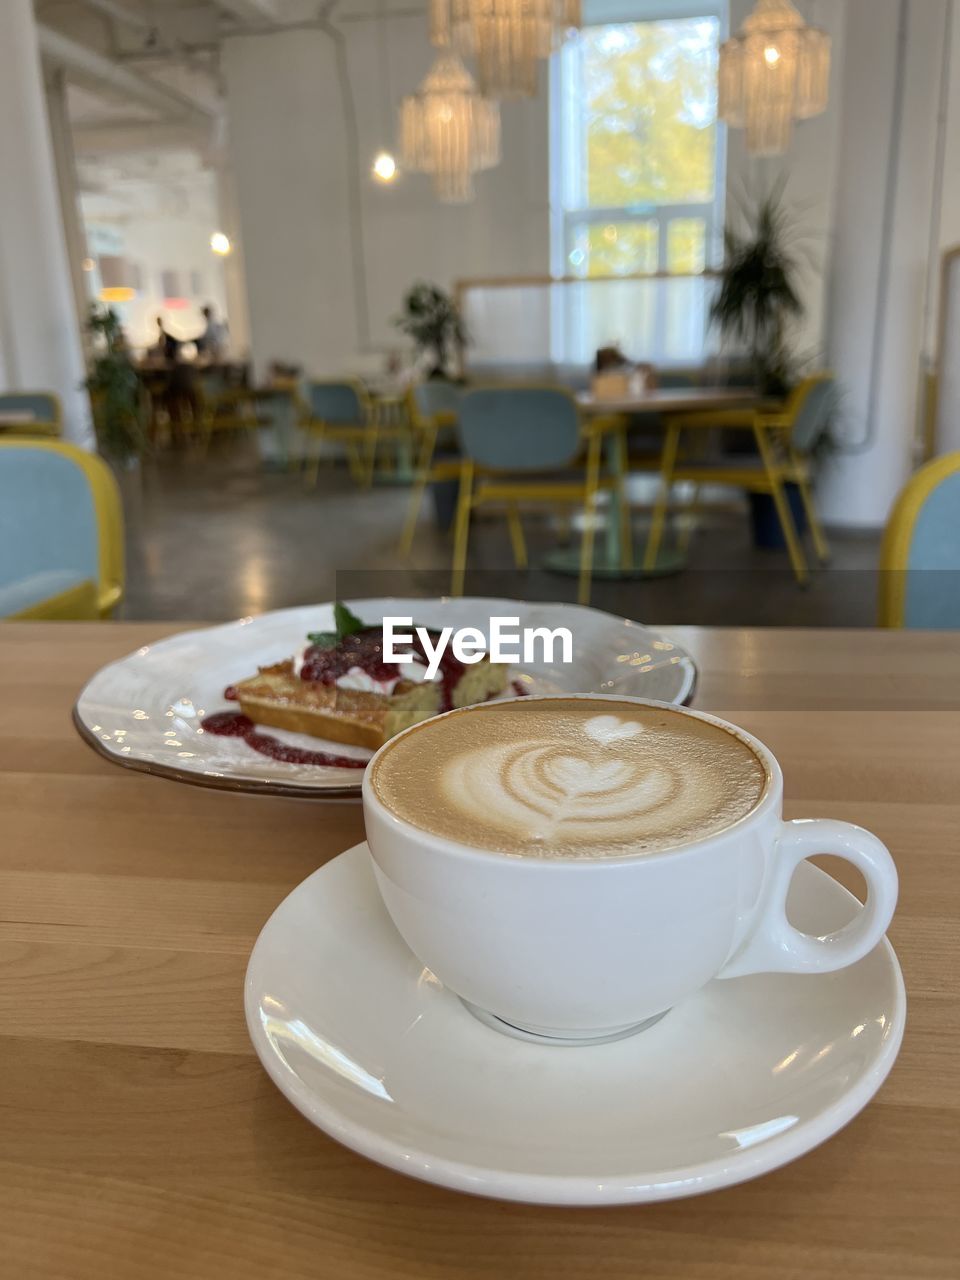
(340, 688)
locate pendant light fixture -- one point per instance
(508, 38)
(384, 168)
(119, 279)
(775, 72)
(449, 131)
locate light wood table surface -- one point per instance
(140, 1138)
(668, 400)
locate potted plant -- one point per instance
(430, 317)
(759, 292)
(114, 391)
(758, 299)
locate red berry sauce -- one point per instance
(364, 649)
(232, 724)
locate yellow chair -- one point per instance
(514, 441)
(784, 433)
(61, 532)
(433, 408)
(30, 413)
(920, 556)
(342, 412)
(223, 405)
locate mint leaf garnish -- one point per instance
(348, 623)
(323, 639)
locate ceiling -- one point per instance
(144, 90)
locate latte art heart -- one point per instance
(569, 778)
(548, 795)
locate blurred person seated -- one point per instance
(212, 342)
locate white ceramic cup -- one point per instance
(581, 951)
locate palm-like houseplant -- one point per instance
(430, 317)
(759, 293)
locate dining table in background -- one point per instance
(140, 1136)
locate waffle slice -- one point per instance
(278, 697)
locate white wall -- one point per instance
(303, 241)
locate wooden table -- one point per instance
(667, 400)
(140, 1137)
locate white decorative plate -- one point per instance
(745, 1076)
(146, 711)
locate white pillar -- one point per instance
(234, 270)
(40, 347)
(65, 160)
(882, 249)
(288, 153)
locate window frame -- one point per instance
(567, 132)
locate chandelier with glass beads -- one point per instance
(448, 130)
(776, 71)
(507, 38)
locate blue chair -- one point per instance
(434, 408)
(61, 532)
(30, 413)
(514, 441)
(341, 412)
(920, 556)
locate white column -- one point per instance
(882, 249)
(288, 154)
(234, 270)
(61, 136)
(40, 347)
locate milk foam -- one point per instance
(570, 778)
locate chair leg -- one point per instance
(686, 533)
(668, 463)
(424, 464)
(462, 529)
(354, 463)
(312, 466)
(516, 536)
(794, 549)
(820, 543)
(371, 442)
(621, 472)
(589, 518)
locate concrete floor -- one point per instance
(215, 539)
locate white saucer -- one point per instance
(748, 1075)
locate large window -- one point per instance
(637, 182)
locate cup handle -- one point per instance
(775, 946)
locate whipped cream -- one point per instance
(357, 678)
(298, 658)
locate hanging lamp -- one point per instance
(449, 131)
(508, 38)
(776, 71)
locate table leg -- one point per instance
(616, 560)
(668, 462)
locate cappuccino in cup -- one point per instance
(573, 867)
(570, 778)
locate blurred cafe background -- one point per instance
(651, 304)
